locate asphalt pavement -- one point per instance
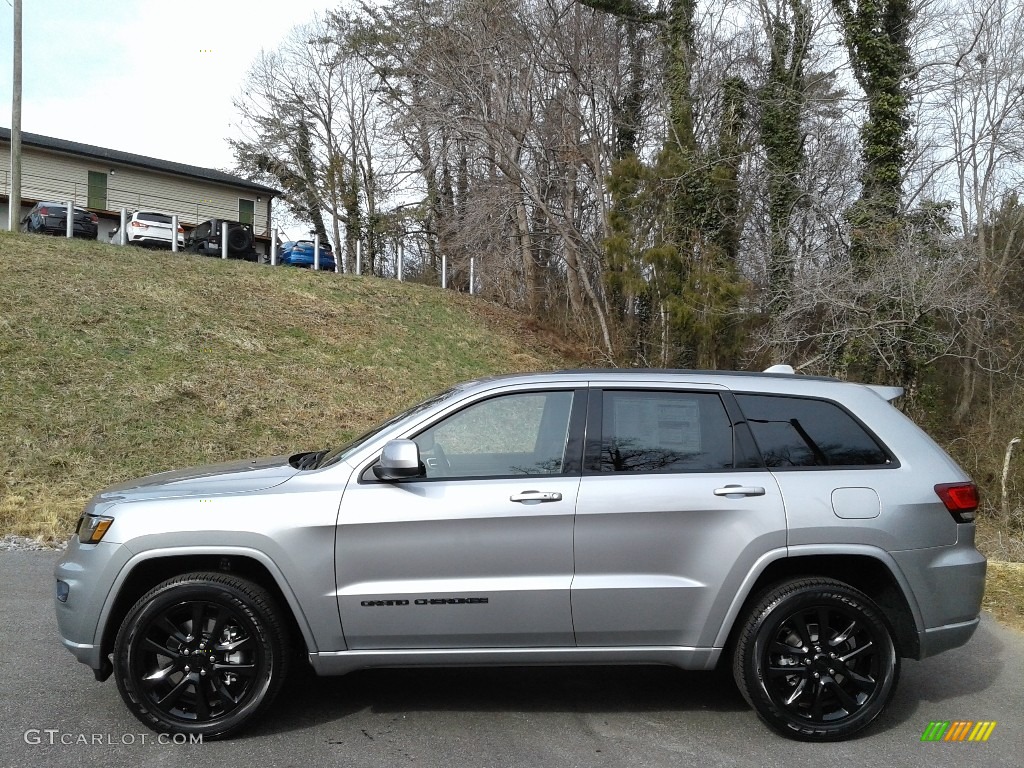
(52, 712)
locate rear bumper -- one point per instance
(939, 639)
(161, 240)
(306, 263)
(89, 233)
(213, 249)
(948, 584)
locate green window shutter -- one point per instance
(97, 190)
(246, 211)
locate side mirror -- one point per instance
(400, 460)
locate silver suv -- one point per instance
(799, 529)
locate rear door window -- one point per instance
(659, 431)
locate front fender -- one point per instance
(152, 555)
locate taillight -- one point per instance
(44, 211)
(181, 230)
(94, 218)
(961, 499)
(139, 224)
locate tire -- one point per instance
(805, 687)
(242, 652)
(239, 240)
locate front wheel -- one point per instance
(201, 653)
(816, 659)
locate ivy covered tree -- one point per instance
(674, 229)
(783, 103)
(877, 34)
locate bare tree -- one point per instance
(508, 109)
(311, 123)
(973, 112)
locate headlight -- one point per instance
(91, 528)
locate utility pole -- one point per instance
(14, 198)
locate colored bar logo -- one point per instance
(958, 730)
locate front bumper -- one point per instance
(89, 572)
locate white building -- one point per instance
(106, 180)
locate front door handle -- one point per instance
(740, 490)
(535, 496)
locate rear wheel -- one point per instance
(202, 653)
(816, 659)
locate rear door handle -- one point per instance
(535, 496)
(740, 490)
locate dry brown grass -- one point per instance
(117, 362)
(1004, 592)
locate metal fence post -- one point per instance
(273, 247)
(444, 271)
(359, 257)
(122, 237)
(316, 253)
(174, 233)
(223, 239)
(341, 258)
(71, 219)
(472, 273)
(401, 259)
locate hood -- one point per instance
(212, 479)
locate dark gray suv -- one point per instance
(799, 529)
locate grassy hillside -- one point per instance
(118, 362)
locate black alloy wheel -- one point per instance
(816, 659)
(201, 653)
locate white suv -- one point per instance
(148, 228)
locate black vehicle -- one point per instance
(52, 219)
(206, 239)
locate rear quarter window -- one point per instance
(805, 432)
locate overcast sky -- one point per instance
(154, 78)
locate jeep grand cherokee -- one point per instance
(799, 529)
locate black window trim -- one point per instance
(743, 445)
(892, 461)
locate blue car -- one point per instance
(299, 253)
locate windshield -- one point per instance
(342, 453)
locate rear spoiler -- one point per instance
(886, 393)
